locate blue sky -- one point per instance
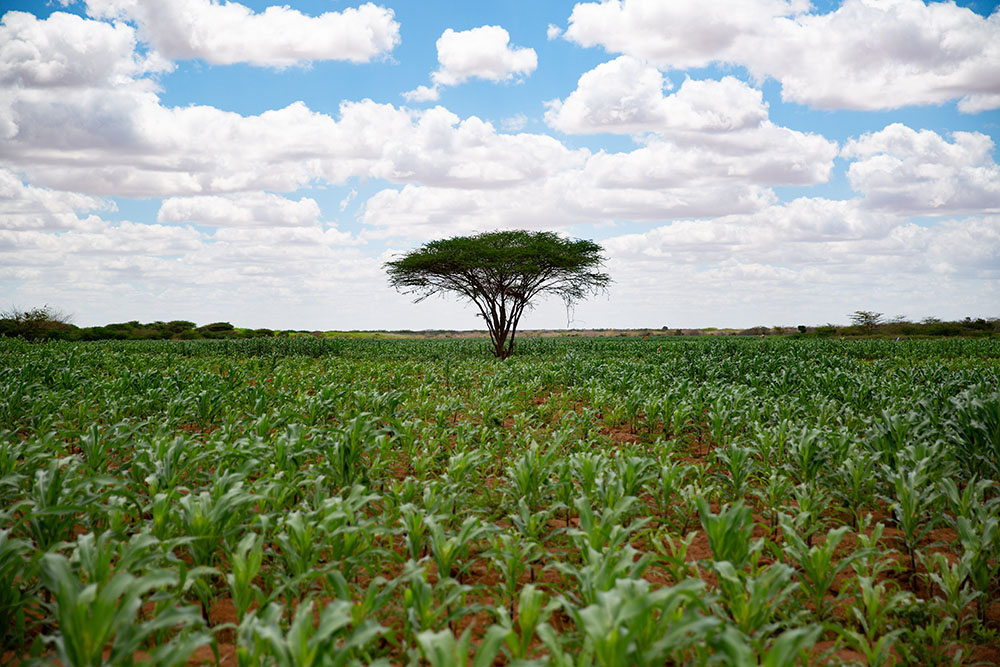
(750, 162)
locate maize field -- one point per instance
(307, 502)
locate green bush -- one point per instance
(944, 329)
(43, 323)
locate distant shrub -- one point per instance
(216, 327)
(179, 326)
(103, 333)
(944, 329)
(979, 324)
(35, 324)
(217, 330)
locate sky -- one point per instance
(741, 162)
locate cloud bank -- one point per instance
(867, 54)
(228, 33)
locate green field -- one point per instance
(587, 502)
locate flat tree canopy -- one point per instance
(501, 272)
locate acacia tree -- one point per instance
(501, 272)
(867, 320)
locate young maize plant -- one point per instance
(913, 507)
(789, 648)
(729, 533)
(874, 610)
(629, 624)
(301, 542)
(244, 563)
(857, 489)
(431, 607)
(599, 570)
(332, 639)
(102, 615)
(531, 613)
(773, 496)
(753, 602)
(209, 519)
(17, 595)
(55, 501)
(441, 649)
(606, 529)
(980, 539)
(530, 475)
(817, 566)
(450, 552)
(974, 426)
(739, 465)
(512, 556)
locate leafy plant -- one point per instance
(97, 616)
(441, 649)
(817, 565)
(333, 640)
(16, 590)
(245, 562)
(729, 533)
(531, 613)
(632, 625)
(753, 601)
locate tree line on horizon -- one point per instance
(46, 323)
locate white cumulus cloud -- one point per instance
(679, 34)
(920, 172)
(66, 50)
(24, 206)
(252, 209)
(626, 95)
(230, 32)
(480, 53)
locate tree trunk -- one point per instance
(499, 339)
(501, 348)
(510, 345)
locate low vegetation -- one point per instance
(45, 323)
(604, 501)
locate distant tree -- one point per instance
(866, 319)
(501, 273)
(35, 323)
(215, 329)
(177, 326)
